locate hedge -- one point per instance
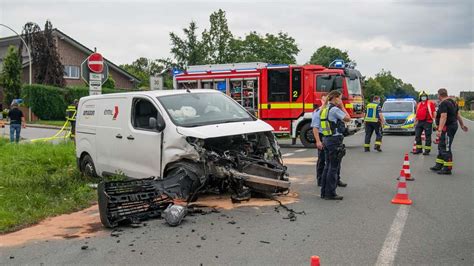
(50, 103)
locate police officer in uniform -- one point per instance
(317, 131)
(373, 122)
(447, 118)
(332, 118)
(424, 122)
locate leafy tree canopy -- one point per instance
(326, 54)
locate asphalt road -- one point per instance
(438, 228)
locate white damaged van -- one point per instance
(158, 134)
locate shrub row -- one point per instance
(50, 103)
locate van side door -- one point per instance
(141, 144)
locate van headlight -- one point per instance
(410, 119)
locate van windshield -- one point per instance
(200, 108)
(397, 107)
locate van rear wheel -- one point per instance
(87, 166)
(307, 136)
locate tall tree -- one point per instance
(47, 65)
(143, 68)
(326, 54)
(371, 88)
(217, 40)
(188, 50)
(274, 49)
(10, 77)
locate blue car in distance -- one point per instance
(399, 114)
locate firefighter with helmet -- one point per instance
(71, 113)
(374, 121)
(425, 113)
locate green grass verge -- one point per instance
(39, 180)
(468, 114)
(58, 123)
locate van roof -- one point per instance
(152, 93)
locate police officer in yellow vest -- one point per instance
(373, 122)
(332, 118)
(71, 113)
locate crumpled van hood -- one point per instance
(227, 129)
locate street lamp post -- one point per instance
(29, 56)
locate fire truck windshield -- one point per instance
(203, 108)
(353, 86)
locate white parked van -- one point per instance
(160, 133)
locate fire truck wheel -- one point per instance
(306, 136)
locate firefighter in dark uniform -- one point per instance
(424, 122)
(447, 118)
(71, 113)
(373, 123)
(332, 118)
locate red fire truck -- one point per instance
(284, 96)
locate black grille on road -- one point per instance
(395, 121)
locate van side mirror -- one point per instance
(152, 123)
(157, 123)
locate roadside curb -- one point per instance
(40, 126)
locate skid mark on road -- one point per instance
(390, 246)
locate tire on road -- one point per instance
(307, 136)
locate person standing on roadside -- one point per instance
(374, 122)
(424, 122)
(17, 121)
(332, 118)
(318, 134)
(447, 118)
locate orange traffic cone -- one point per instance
(315, 261)
(406, 168)
(402, 193)
(414, 147)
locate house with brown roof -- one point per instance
(72, 53)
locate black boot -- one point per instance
(366, 149)
(341, 184)
(427, 152)
(377, 148)
(418, 151)
(444, 171)
(437, 167)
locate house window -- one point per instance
(71, 72)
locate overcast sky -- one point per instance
(427, 43)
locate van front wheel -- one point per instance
(87, 166)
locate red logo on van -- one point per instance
(116, 112)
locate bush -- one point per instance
(50, 103)
(46, 102)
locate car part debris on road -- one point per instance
(239, 164)
(174, 214)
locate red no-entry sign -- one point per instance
(95, 62)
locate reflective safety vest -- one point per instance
(371, 114)
(328, 127)
(71, 113)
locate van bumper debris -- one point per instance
(241, 165)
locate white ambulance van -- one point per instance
(147, 134)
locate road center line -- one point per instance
(287, 154)
(300, 150)
(390, 246)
